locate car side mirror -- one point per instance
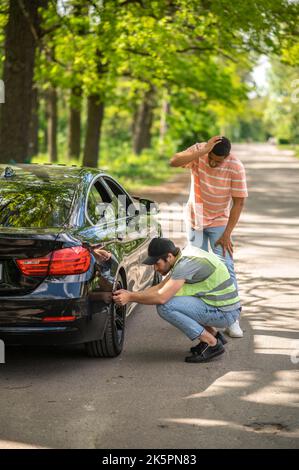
(151, 206)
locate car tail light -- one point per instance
(34, 266)
(57, 319)
(74, 260)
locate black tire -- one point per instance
(112, 343)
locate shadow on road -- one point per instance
(148, 397)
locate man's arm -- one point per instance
(154, 289)
(151, 291)
(156, 295)
(187, 156)
(225, 239)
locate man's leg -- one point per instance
(198, 238)
(189, 314)
(213, 234)
(201, 239)
(184, 313)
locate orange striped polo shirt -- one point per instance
(212, 189)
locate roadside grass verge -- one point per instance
(134, 172)
(293, 147)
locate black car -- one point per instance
(54, 289)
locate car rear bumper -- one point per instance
(81, 331)
(24, 323)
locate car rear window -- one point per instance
(35, 206)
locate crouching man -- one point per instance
(197, 295)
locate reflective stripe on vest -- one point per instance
(218, 289)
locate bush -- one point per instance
(283, 141)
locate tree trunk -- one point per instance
(45, 130)
(165, 109)
(74, 145)
(134, 120)
(143, 124)
(22, 32)
(79, 10)
(34, 124)
(95, 114)
(52, 124)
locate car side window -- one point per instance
(100, 206)
(125, 205)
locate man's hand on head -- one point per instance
(212, 142)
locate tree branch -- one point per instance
(194, 48)
(134, 51)
(128, 2)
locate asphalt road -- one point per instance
(149, 397)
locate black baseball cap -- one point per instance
(157, 248)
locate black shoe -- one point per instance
(198, 348)
(221, 337)
(207, 353)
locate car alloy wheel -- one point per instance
(111, 344)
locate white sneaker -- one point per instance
(234, 331)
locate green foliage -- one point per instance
(3, 21)
(282, 114)
(134, 172)
(195, 54)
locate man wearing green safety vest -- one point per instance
(197, 295)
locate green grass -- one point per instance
(135, 172)
(294, 147)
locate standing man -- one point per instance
(197, 295)
(218, 192)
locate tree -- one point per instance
(34, 124)
(95, 114)
(281, 113)
(143, 121)
(79, 11)
(21, 39)
(186, 47)
(74, 140)
(52, 123)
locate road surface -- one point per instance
(149, 397)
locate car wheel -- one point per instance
(112, 343)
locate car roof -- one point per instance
(46, 173)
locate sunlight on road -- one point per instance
(266, 428)
(283, 390)
(267, 344)
(17, 445)
(230, 382)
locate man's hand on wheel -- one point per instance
(121, 296)
(101, 255)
